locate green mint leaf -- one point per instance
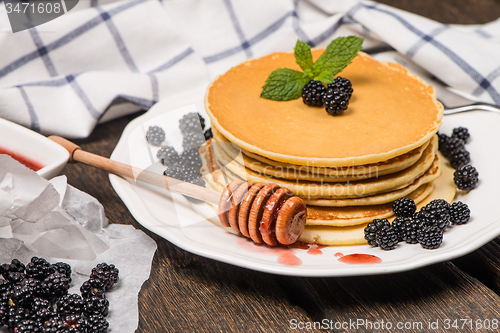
(326, 76)
(336, 57)
(303, 55)
(284, 84)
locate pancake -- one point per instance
(354, 215)
(277, 169)
(312, 190)
(391, 112)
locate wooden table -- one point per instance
(188, 293)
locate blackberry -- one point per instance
(435, 213)
(442, 142)
(14, 266)
(63, 268)
(96, 305)
(97, 324)
(208, 134)
(335, 101)
(167, 155)
(92, 287)
(15, 315)
(341, 84)
(430, 237)
(466, 178)
(192, 122)
(193, 141)
(387, 238)
(190, 158)
(155, 135)
(459, 158)
(39, 268)
(16, 277)
(55, 325)
(174, 172)
(312, 93)
(76, 323)
(461, 133)
(372, 228)
(36, 287)
(57, 285)
(107, 274)
(398, 225)
(28, 326)
(410, 230)
(70, 304)
(404, 207)
(452, 145)
(22, 296)
(41, 310)
(459, 213)
(40, 303)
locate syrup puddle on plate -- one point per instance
(285, 255)
(358, 258)
(288, 258)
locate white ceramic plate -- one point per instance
(186, 224)
(30, 145)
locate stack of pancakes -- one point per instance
(349, 168)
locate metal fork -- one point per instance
(472, 107)
(478, 106)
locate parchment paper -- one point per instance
(56, 221)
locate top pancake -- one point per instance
(390, 113)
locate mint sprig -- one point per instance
(284, 84)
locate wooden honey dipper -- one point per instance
(265, 213)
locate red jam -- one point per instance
(35, 166)
(314, 251)
(360, 258)
(288, 258)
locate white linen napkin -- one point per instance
(101, 61)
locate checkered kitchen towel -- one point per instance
(105, 59)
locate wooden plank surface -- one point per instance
(187, 293)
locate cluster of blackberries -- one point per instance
(453, 148)
(334, 97)
(34, 298)
(425, 227)
(186, 165)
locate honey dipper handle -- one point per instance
(139, 175)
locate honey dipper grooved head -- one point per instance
(267, 214)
